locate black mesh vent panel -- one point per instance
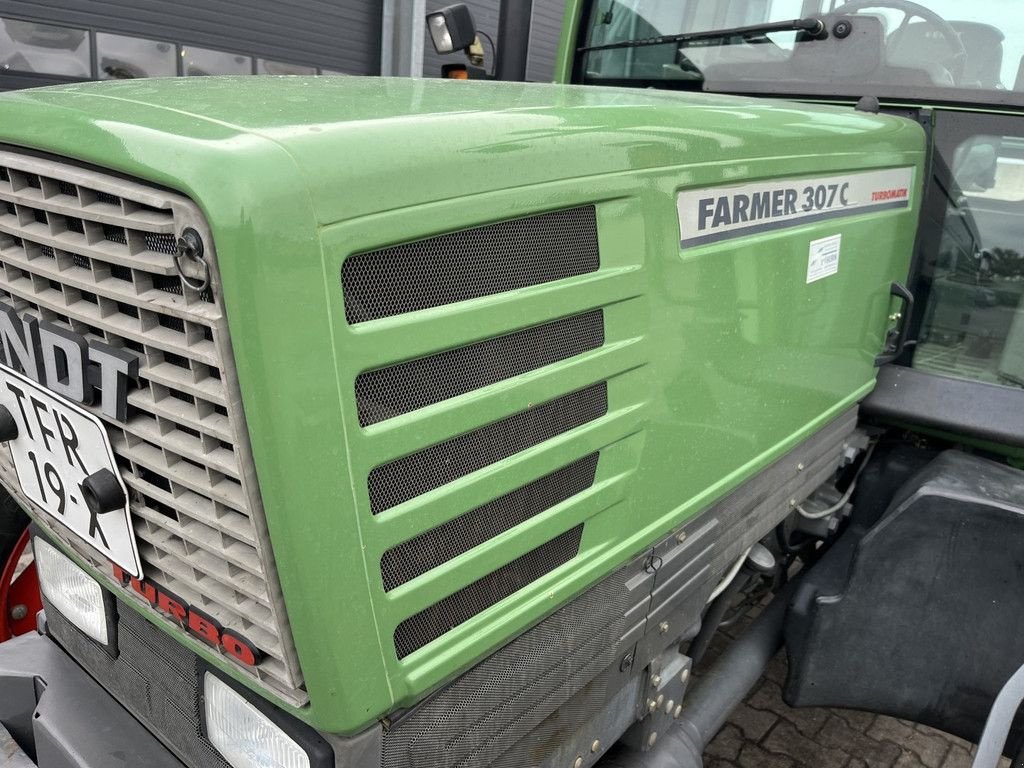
(154, 677)
(495, 707)
(470, 263)
(435, 547)
(410, 476)
(430, 623)
(389, 392)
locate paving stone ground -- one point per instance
(764, 732)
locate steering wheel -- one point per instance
(958, 54)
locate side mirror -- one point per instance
(451, 28)
(975, 163)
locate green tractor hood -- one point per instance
(715, 356)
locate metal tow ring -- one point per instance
(190, 262)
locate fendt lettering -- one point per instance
(67, 363)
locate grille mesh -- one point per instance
(410, 476)
(492, 708)
(154, 677)
(439, 545)
(389, 392)
(538, 747)
(470, 263)
(430, 623)
(92, 253)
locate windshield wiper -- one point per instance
(814, 27)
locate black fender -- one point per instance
(921, 615)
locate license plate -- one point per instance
(57, 447)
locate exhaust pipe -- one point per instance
(513, 39)
(718, 693)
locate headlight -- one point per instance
(245, 736)
(439, 33)
(73, 592)
(452, 28)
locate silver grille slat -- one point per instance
(87, 313)
(214, 425)
(83, 279)
(184, 445)
(173, 376)
(167, 543)
(104, 250)
(93, 253)
(225, 493)
(199, 536)
(103, 213)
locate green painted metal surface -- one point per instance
(567, 41)
(718, 358)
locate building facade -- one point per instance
(67, 40)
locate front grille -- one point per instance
(430, 623)
(470, 263)
(154, 677)
(389, 392)
(93, 253)
(410, 476)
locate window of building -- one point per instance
(203, 61)
(267, 67)
(124, 58)
(26, 46)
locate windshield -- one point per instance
(942, 49)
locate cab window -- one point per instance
(973, 321)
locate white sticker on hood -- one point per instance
(823, 258)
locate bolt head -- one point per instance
(652, 705)
(652, 738)
(596, 746)
(684, 675)
(669, 706)
(800, 467)
(655, 680)
(678, 712)
(19, 612)
(658, 701)
(578, 763)
(663, 627)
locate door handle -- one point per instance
(896, 339)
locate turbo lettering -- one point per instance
(204, 626)
(239, 647)
(145, 590)
(196, 622)
(174, 607)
